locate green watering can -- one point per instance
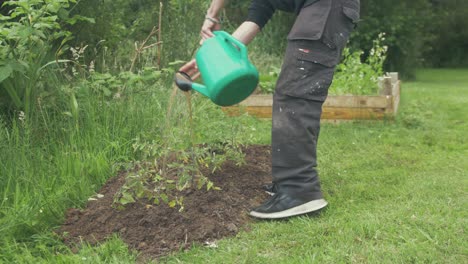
(227, 73)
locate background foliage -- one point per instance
(419, 32)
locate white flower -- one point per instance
(91, 67)
(21, 116)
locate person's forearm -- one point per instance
(215, 8)
(246, 32)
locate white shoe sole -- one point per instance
(308, 207)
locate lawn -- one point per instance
(396, 191)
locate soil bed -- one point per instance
(159, 230)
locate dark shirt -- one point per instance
(260, 11)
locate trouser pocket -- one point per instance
(311, 21)
(351, 9)
(330, 21)
(343, 17)
(307, 70)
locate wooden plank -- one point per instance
(332, 101)
(345, 113)
(258, 100)
(395, 78)
(257, 111)
(341, 113)
(387, 86)
(396, 96)
(357, 101)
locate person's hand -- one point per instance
(210, 25)
(191, 69)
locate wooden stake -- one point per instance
(160, 47)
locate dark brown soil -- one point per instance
(158, 230)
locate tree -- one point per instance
(450, 29)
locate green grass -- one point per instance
(396, 189)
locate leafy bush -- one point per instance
(120, 23)
(449, 28)
(27, 37)
(358, 78)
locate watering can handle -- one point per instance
(240, 45)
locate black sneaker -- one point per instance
(282, 205)
(270, 188)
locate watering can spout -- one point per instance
(201, 89)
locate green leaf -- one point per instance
(164, 197)
(156, 201)
(25, 32)
(209, 185)
(74, 106)
(63, 14)
(4, 18)
(78, 18)
(54, 62)
(126, 198)
(5, 72)
(172, 203)
(107, 92)
(10, 88)
(175, 63)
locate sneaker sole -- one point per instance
(309, 207)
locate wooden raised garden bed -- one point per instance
(336, 107)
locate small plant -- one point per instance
(268, 81)
(358, 78)
(170, 172)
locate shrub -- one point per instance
(27, 42)
(360, 78)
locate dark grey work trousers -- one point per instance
(314, 48)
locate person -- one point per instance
(314, 46)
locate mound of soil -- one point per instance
(158, 230)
